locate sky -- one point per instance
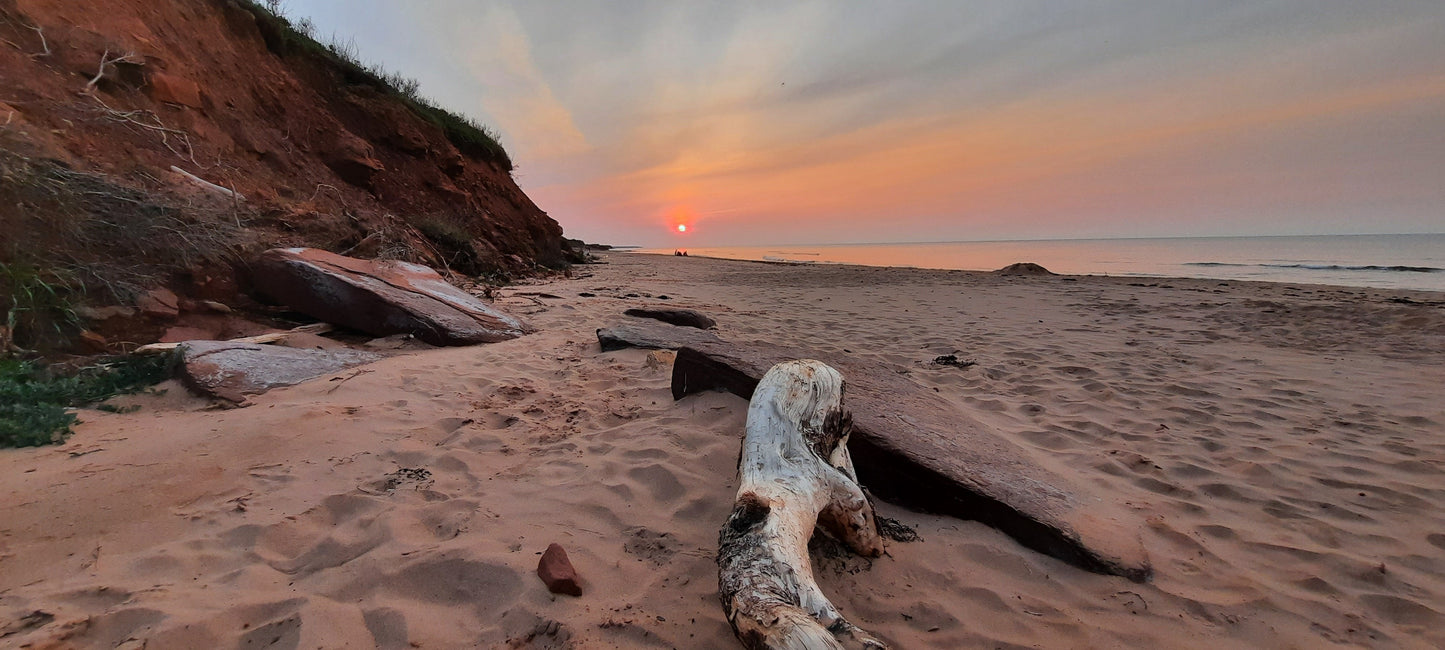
(787, 122)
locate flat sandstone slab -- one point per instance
(380, 297)
(231, 370)
(912, 447)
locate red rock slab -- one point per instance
(380, 297)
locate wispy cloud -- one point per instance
(830, 121)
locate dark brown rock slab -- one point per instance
(679, 317)
(380, 297)
(650, 335)
(912, 447)
(556, 571)
(231, 370)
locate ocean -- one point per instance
(1381, 261)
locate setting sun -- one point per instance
(682, 227)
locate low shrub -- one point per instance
(34, 398)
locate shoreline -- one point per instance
(1429, 297)
(1284, 447)
(1378, 261)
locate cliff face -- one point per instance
(117, 93)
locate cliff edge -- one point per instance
(163, 143)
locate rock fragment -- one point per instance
(557, 573)
(679, 317)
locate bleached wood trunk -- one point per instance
(796, 474)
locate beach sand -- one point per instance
(1282, 446)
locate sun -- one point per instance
(682, 227)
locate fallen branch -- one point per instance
(105, 60)
(318, 191)
(260, 339)
(796, 474)
(129, 117)
(209, 186)
(41, 32)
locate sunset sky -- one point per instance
(828, 122)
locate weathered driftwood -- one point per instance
(269, 337)
(796, 475)
(914, 448)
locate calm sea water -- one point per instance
(1384, 261)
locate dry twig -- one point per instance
(318, 191)
(43, 43)
(105, 60)
(130, 117)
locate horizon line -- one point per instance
(1044, 239)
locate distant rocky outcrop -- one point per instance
(1023, 268)
(379, 297)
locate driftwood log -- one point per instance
(914, 448)
(796, 474)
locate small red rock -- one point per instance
(175, 90)
(557, 573)
(159, 303)
(93, 341)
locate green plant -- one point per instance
(36, 306)
(34, 399)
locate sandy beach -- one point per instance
(1283, 445)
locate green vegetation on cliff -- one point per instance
(286, 37)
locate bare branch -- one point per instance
(318, 191)
(105, 60)
(43, 43)
(130, 117)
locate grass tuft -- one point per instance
(34, 399)
(453, 242)
(35, 306)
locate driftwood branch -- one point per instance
(796, 475)
(914, 448)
